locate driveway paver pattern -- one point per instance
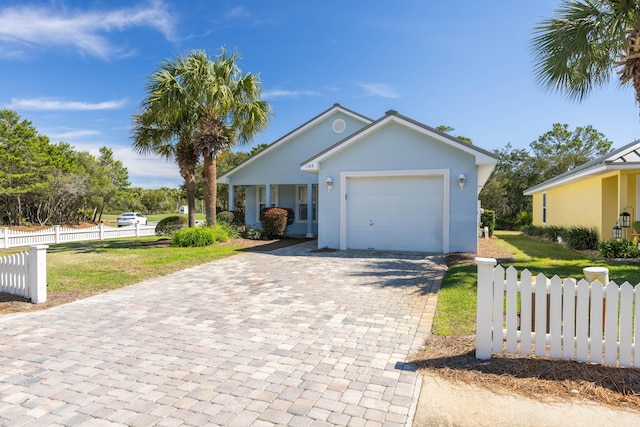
(293, 337)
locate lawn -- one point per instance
(96, 266)
(456, 309)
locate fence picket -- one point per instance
(611, 323)
(626, 319)
(498, 295)
(569, 319)
(526, 289)
(540, 319)
(555, 317)
(596, 322)
(587, 322)
(636, 330)
(57, 234)
(512, 310)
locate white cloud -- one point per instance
(44, 104)
(72, 135)
(278, 93)
(24, 27)
(237, 12)
(379, 89)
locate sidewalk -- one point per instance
(443, 403)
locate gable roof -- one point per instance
(482, 157)
(294, 133)
(627, 157)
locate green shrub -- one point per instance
(238, 216)
(171, 224)
(198, 236)
(274, 221)
(618, 249)
(290, 214)
(255, 234)
(231, 230)
(582, 238)
(552, 232)
(488, 219)
(225, 216)
(523, 218)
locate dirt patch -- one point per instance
(541, 378)
(15, 304)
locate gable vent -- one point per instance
(339, 126)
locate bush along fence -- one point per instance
(25, 274)
(57, 234)
(582, 321)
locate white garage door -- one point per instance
(402, 213)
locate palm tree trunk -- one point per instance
(209, 190)
(190, 185)
(631, 62)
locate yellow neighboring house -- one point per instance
(602, 193)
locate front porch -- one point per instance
(302, 198)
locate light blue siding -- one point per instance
(280, 165)
(396, 147)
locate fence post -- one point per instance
(5, 237)
(101, 231)
(485, 307)
(137, 229)
(38, 273)
(56, 233)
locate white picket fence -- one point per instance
(57, 234)
(563, 319)
(25, 274)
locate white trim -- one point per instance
(544, 207)
(275, 194)
(314, 201)
(444, 173)
(596, 170)
(314, 164)
(224, 179)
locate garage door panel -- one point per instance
(395, 213)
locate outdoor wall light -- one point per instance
(461, 180)
(625, 218)
(329, 183)
(616, 233)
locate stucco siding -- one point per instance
(577, 204)
(396, 147)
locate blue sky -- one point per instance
(78, 69)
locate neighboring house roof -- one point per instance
(224, 179)
(483, 158)
(627, 157)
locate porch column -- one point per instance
(232, 198)
(267, 200)
(310, 210)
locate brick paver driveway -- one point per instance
(292, 337)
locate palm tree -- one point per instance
(229, 111)
(159, 130)
(578, 49)
(210, 105)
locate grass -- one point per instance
(456, 309)
(97, 266)
(110, 219)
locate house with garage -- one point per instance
(603, 193)
(358, 183)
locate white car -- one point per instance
(131, 218)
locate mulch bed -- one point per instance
(540, 378)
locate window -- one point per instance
(544, 208)
(302, 201)
(262, 198)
